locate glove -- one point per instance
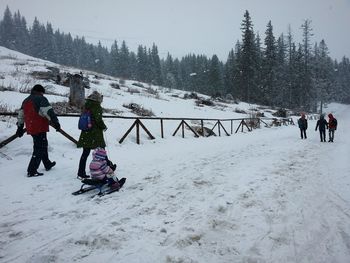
(20, 131)
(57, 126)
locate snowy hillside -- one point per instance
(261, 196)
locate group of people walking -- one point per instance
(36, 115)
(321, 125)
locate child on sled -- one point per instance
(103, 169)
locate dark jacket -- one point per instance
(302, 122)
(332, 123)
(36, 113)
(93, 138)
(322, 124)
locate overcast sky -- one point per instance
(189, 26)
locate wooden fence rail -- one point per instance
(138, 123)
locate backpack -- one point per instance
(85, 121)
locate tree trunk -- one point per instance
(77, 91)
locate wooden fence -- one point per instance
(248, 123)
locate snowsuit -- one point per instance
(36, 113)
(92, 138)
(332, 125)
(322, 125)
(302, 123)
(100, 169)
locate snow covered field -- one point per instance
(264, 196)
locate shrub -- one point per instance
(280, 113)
(114, 85)
(240, 111)
(206, 102)
(64, 107)
(96, 82)
(138, 110)
(192, 95)
(152, 91)
(137, 84)
(4, 108)
(132, 91)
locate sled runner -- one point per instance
(101, 185)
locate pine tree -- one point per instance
(155, 66)
(123, 61)
(141, 63)
(258, 79)
(21, 35)
(114, 58)
(50, 45)
(169, 76)
(7, 30)
(306, 76)
(281, 90)
(247, 64)
(323, 75)
(36, 39)
(269, 67)
(229, 73)
(215, 78)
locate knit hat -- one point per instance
(38, 88)
(99, 154)
(95, 96)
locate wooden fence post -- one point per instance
(242, 123)
(182, 124)
(137, 123)
(137, 132)
(161, 128)
(202, 127)
(219, 124)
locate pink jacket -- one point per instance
(99, 168)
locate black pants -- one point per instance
(323, 135)
(82, 162)
(303, 133)
(331, 135)
(39, 153)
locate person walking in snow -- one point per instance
(332, 126)
(36, 114)
(100, 170)
(302, 123)
(92, 138)
(322, 125)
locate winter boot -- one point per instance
(52, 164)
(82, 176)
(114, 186)
(121, 182)
(34, 174)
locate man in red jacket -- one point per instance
(36, 114)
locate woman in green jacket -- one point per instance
(93, 138)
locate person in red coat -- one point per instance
(332, 126)
(36, 114)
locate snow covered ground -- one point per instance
(261, 196)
